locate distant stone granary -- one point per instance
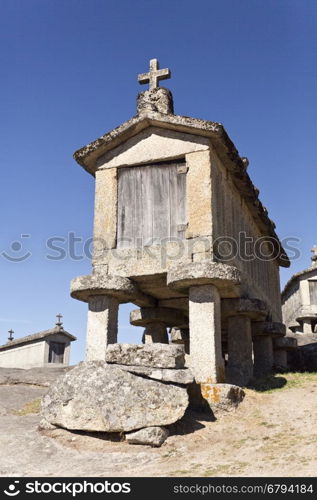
(299, 299)
(173, 206)
(48, 348)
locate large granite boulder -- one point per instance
(154, 355)
(95, 396)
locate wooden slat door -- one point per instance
(151, 204)
(56, 352)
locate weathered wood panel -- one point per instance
(313, 292)
(151, 204)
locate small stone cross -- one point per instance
(154, 75)
(11, 332)
(314, 257)
(59, 317)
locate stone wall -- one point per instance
(150, 146)
(24, 356)
(292, 304)
(231, 216)
(33, 354)
(155, 259)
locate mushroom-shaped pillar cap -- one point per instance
(293, 326)
(84, 287)
(167, 316)
(255, 309)
(226, 278)
(274, 329)
(307, 312)
(285, 343)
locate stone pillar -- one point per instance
(156, 320)
(180, 336)
(102, 328)
(280, 359)
(263, 355)
(280, 346)
(206, 359)
(307, 329)
(155, 332)
(240, 364)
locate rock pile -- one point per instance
(138, 391)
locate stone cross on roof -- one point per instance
(154, 75)
(314, 257)
(59, 320)
(11, 332)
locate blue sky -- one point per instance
(69, 74)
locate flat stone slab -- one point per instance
(152, 436)
(98, 397)
(152, 355)
(180, 376)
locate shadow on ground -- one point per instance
(268, 383)
(192, 421)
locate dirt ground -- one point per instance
(272, 433)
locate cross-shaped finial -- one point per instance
(59, 317)
(154, 75)
(314, 257)
(11, 332)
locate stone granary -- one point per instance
(174, 212)
(49, 348)
(299, 300)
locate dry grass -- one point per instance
(32, 407)
(284, 381)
